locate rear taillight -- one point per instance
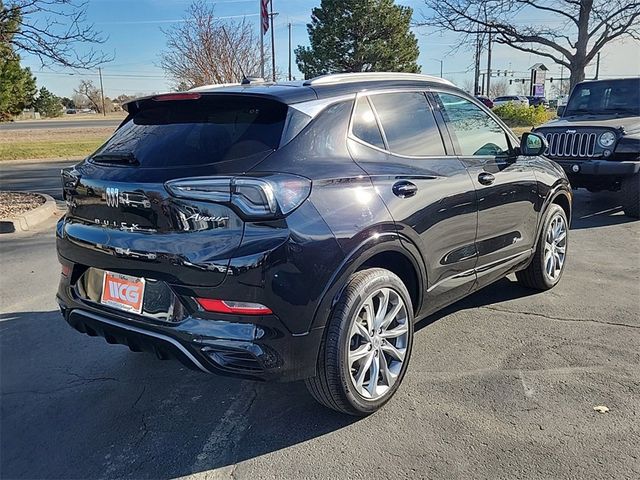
(265, 197)
(65, 270)
(238, 308)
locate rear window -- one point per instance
(211, 129)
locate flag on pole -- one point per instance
(264, 15)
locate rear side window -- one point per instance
(408, 124)
(212, 129)
(365, 126)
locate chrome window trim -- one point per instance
(312, 108)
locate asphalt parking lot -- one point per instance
(501, 385)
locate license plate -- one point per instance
(122, 292)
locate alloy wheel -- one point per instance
(555, 248)
(378, 343)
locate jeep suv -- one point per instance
(597, 139)
(298, 230)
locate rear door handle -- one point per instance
(486, 178)
(404, 189)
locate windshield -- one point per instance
(616, 97)
(213, 129)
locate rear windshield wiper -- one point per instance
(118, 158)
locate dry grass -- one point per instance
(51, 144)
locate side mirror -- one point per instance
(560, 110)
(532, 144)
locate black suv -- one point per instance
(597, 139)
(298, 230)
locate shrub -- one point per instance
(520, 116)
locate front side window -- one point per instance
(476, 133)
(408, 124)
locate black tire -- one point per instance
(534, 275)
(630, 193)
(332, 386)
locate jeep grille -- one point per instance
(579, 144)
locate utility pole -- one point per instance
(290, 51)
(441, 63)
(476, 74)
(489, 64)
(104, 112)
(597, 66)
(262, 32)
(273, 44)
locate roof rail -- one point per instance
(372, 77)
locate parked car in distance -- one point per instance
(538, 101)
(486, 101)
(597, 139)
(298, 231)
(515, 99)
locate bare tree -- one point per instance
(88, 94)
(205, 50)
(468, 86)
(498, 88)
(586, 26)
(53, 31)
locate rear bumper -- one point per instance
(257, 348)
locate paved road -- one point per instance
(40, 124)
(501, 385)
(41, 177)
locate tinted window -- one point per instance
(408, 124)
(475, 131)
(365, 126)
(197, 132)
(616, 96)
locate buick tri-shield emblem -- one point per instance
(112, 196)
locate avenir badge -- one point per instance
(122, 292)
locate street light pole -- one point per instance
(489, 64)
(289, 51)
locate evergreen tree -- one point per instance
(48, 104)
(17, 84)
(359, 36)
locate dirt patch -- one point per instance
(13, 204)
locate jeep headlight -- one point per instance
(607, 139)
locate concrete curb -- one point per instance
(31, 219)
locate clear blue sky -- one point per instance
(135, 40)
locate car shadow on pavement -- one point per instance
(592, 210)
(501, 291)
(74, 407)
